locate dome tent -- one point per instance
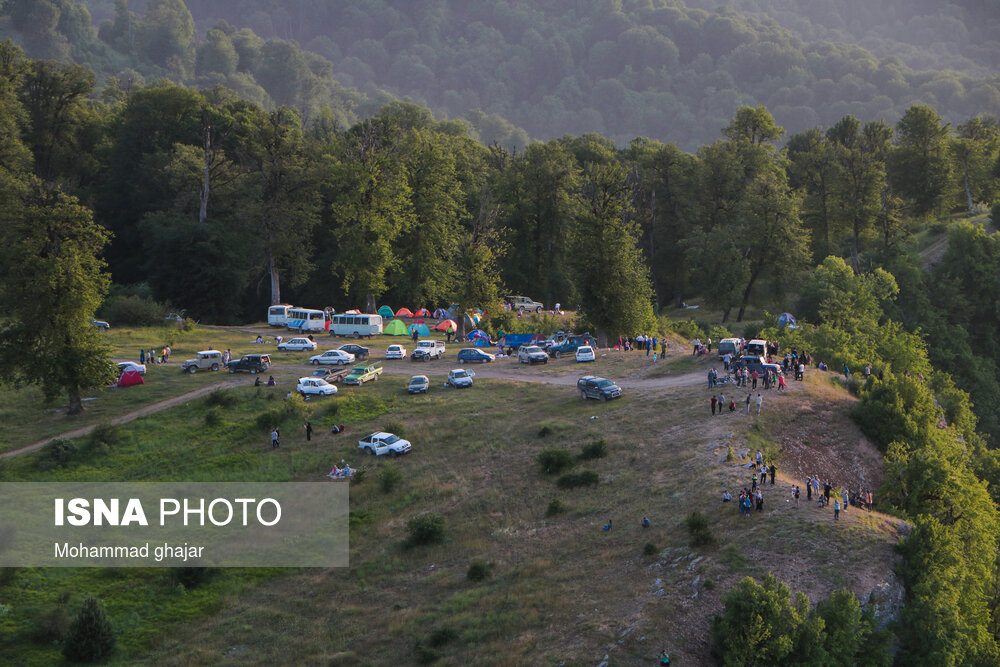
(396, 328)
(422, 312)
(787, 320)
(444, 324)
(421, 329)
(386, 312)
(404, 312)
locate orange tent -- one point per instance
(404, 312)
(444, 324)
(422, 312)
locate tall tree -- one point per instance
(811, 167)
(920, 165)
(52, 282)
(975, 152)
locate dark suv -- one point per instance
(599, 388)
(360, 352)
(569, 345)
(250, 363)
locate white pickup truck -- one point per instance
(380, 444)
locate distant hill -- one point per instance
(653, 68)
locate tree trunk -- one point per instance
(272, 267)
(968, 187)
(855, 263)
(205, 179)
(75, 402)
(746, 296)
(725, 315)
(370, 303)
(602, 337)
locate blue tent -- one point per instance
(787, 320)
(422, 329)
(386, 312)
(476, 333)
(483, 342)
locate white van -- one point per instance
(355, 325)
(277, 316)
(757, 348)
(306, 319)
(732, 346)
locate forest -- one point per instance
(220, 197)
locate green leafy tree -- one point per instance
(90, 636)
(759, 624)
(812, 168)
(53, 281)
(14, 155)
(974, 151)
(166, 36)
(920, 162)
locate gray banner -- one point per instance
(174, 524)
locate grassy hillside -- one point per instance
(560, 589)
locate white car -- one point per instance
(395, 352)
(419, 384)
(460, 377)
(338, 357)
(382, 444)
(315, 386)
(131, 366)
(585, 353)
(100, 324)
(297, 344)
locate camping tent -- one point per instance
(130, 378)
(421, 328)
(482, 342)
(353, 311)
(419, 322)
(422, 312)
(476, 333)
(404, 312)
(395, 328)
(787, 320)
(444, 324)
(441, 314)
(385, 311)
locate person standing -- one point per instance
(809, 489)
(142, 356)
(847, 373)
(309, 431)
(781, 383)
(275, 438)
(753, 377)
(449, 333)
(714, 400)
(796, 494)
(748, 403)
(826, 491)
(722, 401)
(774, 471)
(836, 510)
(759, 401)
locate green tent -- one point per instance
(386, 312)
(396, 328)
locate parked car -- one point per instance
(570, 343)
(395, 352)
(250, 363)
(419, 384)
(459, 378)
(472, 355)
(333, 376)
(335, 357)
(585, 353)
(207, 360)
(427, 350)
(100, 324)
(755, 363)
(523, 304)
(599, 388)
(297, 344)
(131, 366)
(315, 386)
(361, 374)
(360, 352)
(532, 354)
(381, 444)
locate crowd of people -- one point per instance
(150, 357)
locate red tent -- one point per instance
(419, 322)
(422, 312)
(404, 312)
(444, 324)
(129, 378)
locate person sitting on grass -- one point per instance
(270, 381)
(337, 429)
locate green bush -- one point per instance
(545, 431)
(583, 478)
(107, 434)
(59, 453)
(688, 329)
(730, 455)
(554, 460)
(51, 626)
(212, 419)
(698, 530)
(425, 529)
(90, 636)
(478, 571)
(132, 310)
(192, 577)
(395, 427)
(595, 450)
(555, 507)
(424, 654)
(389, 478)
(223, 398)
(650, 549)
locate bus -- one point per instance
(277, 316)
(305, 319)
(355, 325)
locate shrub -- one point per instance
(192, 577)
(425, 529)
(107, 434)
(554, 460)
(396, 427)
(583, 478)
(717, 332)
(389, 478)
(650, 549)
(730, 455)
(687, 329)
(545, 431)
(442, 636)
(132, 310)
(223, 398)
(424, 654)
(698, 530)
(595, 450)
(90, 636)
(51, 626)
(57, 454)
(478, 571)
(555, 507)
(212, 418)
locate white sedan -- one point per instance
(315, 386)
(395, 352)
(585, 353)
(297, 344)
(131, 366)
(338, 357)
